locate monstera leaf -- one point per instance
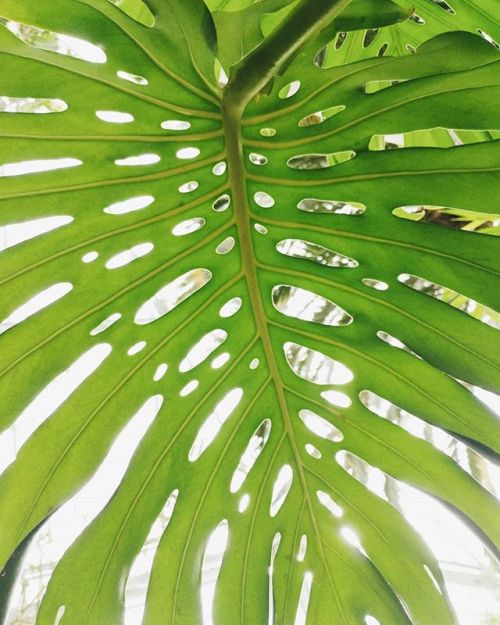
(265, 278)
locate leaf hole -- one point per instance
(175, 124)
(202, 349)
(222, 203)
(213, 424)
(21, 168)
(263, 199)
(105, 324)
(188, 226)
(320, 426)
(160, 372)
(313, 451)
(337, 399)
(231, 307)
(171, 295)
(210, 569)
(304, 598)
(326, 500)
(133, 78)
(189, 187)
(369, 37)
(267, 132)
(115, 117)
(49, 400)
(452, 298)
(140, 571)
(32, 105)
(187, 153)
(308, 306)
(136, 348)
(337, 207)
(225, 246)
(138, 161)
(257, 159)
(13, 234)
(320, 161)
(281, 489)
(59, 43)
(128, 256)
(219, 361)
(243, 503)
(448, 217)
(442, 4)
(35, 304)
(130, 205)
(313, 119)
(378, 285)
(90, 257)
(302, 548)
(289, 90)
(189, 388)
(298, 248)
(250, 456)
(219, 169)
(315, 366)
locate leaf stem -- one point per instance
(255, 71)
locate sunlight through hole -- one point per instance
(214, 422)
(171, 295)
(314, 366)
(281, 488)
(308, 306)
(202, 349)
(34, 305)
(250, 455)
(210, 569)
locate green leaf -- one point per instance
(428, 19)
(261, 254)
(240, 31)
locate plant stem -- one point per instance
(253, 73)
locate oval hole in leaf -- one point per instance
(202, 349)
(188, 226)
(320, 161)
(308, 306)
(56, 42)
(231, 307)
(451, 297)
(32, 105)
(213, 557)
(320, 426)
(281, 488)
(138, 161)
(314, 366)
(298, 248)
(214, 422)
(35, 304)
(171, 295)
(128, 206)
(289, 90)
(127, 256)
(133, 78)
(22, 168)
(314, 205)
(319, 117)
(13, 234)
(250, 455)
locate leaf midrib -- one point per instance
(238, 184)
